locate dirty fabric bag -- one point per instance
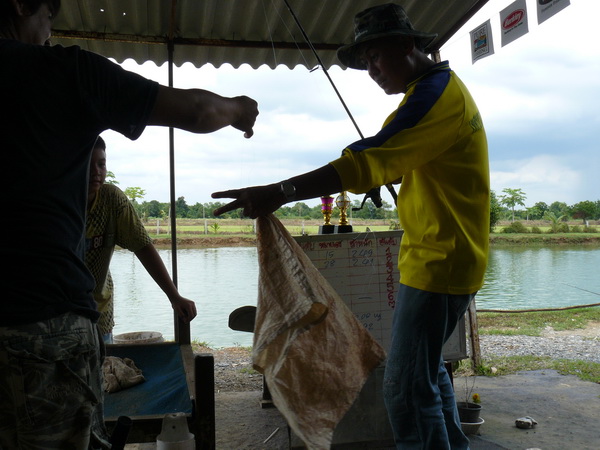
(314, 354)
(120, 373)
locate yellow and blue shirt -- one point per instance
(435, 141)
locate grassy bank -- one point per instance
(236, 232)
(534, 324)
(237, 359)
(592, 239)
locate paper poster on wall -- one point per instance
(547, 8)
(482, 44)
(513, 22)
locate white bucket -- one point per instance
(138, 337)
(175, 434)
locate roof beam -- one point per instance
(159, 40)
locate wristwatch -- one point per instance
(288, 190)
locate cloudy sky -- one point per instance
(538, 97)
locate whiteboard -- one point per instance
(363, 269)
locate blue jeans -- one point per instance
(417, 390)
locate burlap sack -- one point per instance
(314, 354)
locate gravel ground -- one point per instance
(234, 373)
(583, 344)
(233, 369)
(242, 423)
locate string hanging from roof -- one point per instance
(373, 194)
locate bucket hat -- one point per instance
(377, 22)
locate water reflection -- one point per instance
(532, 277)
(220, 280)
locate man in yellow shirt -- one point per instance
(112, 220)
(435, 143)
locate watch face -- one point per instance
(288, 189)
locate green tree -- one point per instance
(512, 198)
(302, 209)
(153, 208)
(285, 212)
(559, 209)
(110, 178)
(195, 211)
(495, 210)
(181, 207)
(316, 213)
(554, 220)
(133, 193)
(537, 211)
(584, 210)
(368, 210)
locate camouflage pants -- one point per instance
(51, 385)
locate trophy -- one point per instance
(342, 202)
(326, 209)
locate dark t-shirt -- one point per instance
(55, 101)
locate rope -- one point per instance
(536, 310)
(270, 34)
(291, 35)
(323, 67)
(373, 193)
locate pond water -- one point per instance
(541, 277)
(220, 280)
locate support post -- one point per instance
(474, 335)
(204, 412)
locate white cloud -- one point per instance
(543, 178)
(537, 95)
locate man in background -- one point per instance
(112, 220)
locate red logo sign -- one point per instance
(513, 19)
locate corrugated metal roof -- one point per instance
(254, 32)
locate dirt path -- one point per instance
(592, 330)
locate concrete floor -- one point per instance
(567, 411)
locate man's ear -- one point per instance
(408, 45)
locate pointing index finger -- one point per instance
(232, 193)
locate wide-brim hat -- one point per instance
(378, 22)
